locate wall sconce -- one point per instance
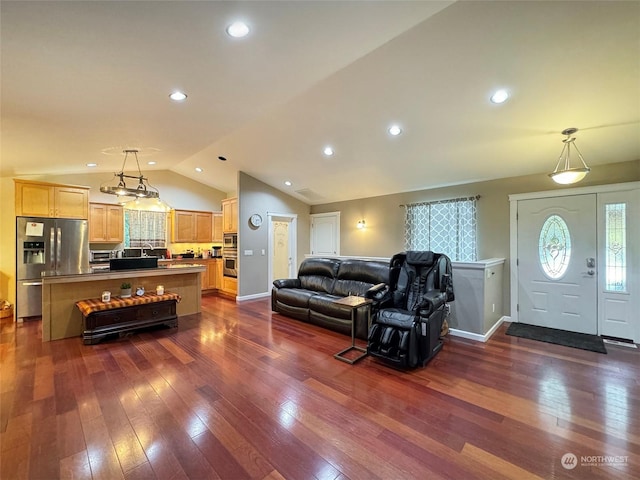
(564, 173)
(361, 224)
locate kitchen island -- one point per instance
(61, 319)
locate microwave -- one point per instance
(230, 240)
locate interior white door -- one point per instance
(557, 267)
(325, 234)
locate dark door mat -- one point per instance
(583, 341)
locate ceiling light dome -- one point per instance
(178, 96)
(238, 29)
(328, 151)
(500, 96)
(395, 130)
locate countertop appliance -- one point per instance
(52, 246)
(101, 256)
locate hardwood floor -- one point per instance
(238, 392)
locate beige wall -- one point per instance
(176, 190)
(384, 218)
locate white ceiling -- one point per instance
(81, 78)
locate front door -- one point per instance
(557, 266)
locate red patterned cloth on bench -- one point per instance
(91, 305)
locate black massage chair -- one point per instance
(405, 333)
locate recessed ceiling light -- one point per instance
(287, 183)
(328, 151)
(222, 159)
(395, 130)
(198, 169)
(178, 96)
(92, 164)
(500, 96)
(238, 29)
(151, 162)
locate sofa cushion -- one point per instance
(325, 305)
(318, 274)
(295, 297)
(355, 277)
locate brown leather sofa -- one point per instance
(310, 297)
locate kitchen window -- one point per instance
(143, 228)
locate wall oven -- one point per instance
(230, 264)
(230, 255)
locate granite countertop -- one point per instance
(93, 273)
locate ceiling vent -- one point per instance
(310, 194)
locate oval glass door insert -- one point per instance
(554, 247)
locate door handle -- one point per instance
(589, 272)
(591, 262)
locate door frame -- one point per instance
(292, 219)
(513, 227)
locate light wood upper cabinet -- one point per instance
(189, 226)
(204, 226)
(217, 227)
(106, 223)
(183, 226)
(230, 215)
(40, 199)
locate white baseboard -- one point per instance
(477, 336)
(255, 296)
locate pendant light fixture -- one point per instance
(142, 190)
(564, 173)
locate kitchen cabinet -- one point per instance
(229, 285)
(230, 215)
(189, 226)
(106, 223)
(204, 227)
(212, 278)
(41, 199)
(217, 272)
(216, 236)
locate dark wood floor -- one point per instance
(238, 392)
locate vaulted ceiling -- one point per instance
(81, 81)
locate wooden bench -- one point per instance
(125, 314)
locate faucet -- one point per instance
(144, 254)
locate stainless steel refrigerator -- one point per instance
(49, 246)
